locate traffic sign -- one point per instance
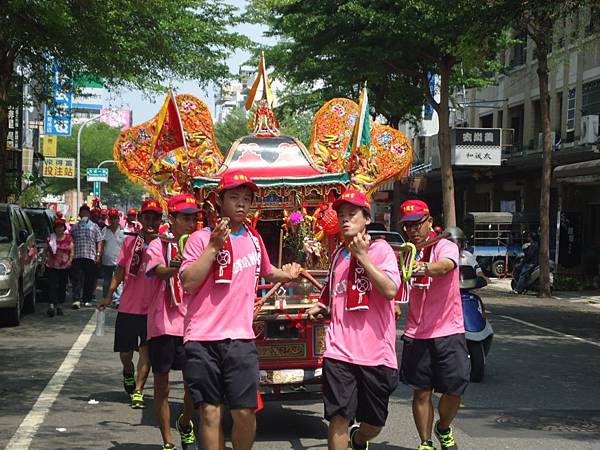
(97, 174)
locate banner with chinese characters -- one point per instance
(59, 167)
(57, 114)
(477, 147)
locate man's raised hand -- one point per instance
(220, 233)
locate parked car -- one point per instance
(42, 221)
(18, 264)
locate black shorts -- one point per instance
(441, 364)
(357, 392)
(166, 353)
(220, 372)
(130, 332)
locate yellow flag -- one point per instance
(264, 77)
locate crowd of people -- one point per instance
(189, 305)
(83, 252)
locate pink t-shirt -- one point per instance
(164, 316)
(365, 337)
(59, 259)
(437, 311)
(224, 311)
(139, 289)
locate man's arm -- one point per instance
(163, 272)
(117, 279)
(288, 272)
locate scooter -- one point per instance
(532, 283)
(478, 330)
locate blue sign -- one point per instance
(57, 115)
(428, 113)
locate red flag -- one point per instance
(259, 401)
(169, 130)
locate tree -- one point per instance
(538, 19)
(394, 44)
(124, 42)
(96, 146)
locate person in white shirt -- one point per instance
(113, 237)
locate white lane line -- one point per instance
(549, 330)
(30, 424)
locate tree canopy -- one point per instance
(141, 44)
(96, 146)
(394, 44)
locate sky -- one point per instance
(145, 108)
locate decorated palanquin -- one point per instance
(176, 151)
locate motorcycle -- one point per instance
(478, 330)
(532, 283)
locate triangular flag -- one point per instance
(361, 135)
(264, 77)
(168, 135)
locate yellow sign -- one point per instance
(59, 167)
(49, 145)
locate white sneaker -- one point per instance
(76, 304)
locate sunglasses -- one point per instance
(415, 225)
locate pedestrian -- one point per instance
(131, 224)
(219, 275)
(434, 355)
(138, 289)
(166, 313)
(360, 370)
(113, 237)
(531, 252)
(87, 238)
(466, 257)
(58, 257)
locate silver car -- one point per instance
(18, 264)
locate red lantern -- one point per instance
(329, 222)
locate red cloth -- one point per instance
(424, 256)
(223, 265)
(359, 285)
(136, 256)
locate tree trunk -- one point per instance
(6, 69)
(445, 151)
(544, 256)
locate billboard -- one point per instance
(57, 114)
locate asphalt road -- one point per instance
(61, 387)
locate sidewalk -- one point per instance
(501, 288)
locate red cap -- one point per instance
(104, 211)
(413, 210)
(59, 221)
(114, 213)
(353, 197)
(231, 180)
(132, 211)
(96, 211)
(183, 203)
(59, 214)
(151, 205)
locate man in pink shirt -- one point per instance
(360, 370)
(131, 324)
(219, 275)
(434, 355)
(166, 313)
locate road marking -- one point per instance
(549, 330)
(30, 424)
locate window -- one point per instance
(593, 25)
(5, 228)
(518, 53)
(590, 98)
(571, 115)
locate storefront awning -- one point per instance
(585, 172)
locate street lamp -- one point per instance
(83, 125)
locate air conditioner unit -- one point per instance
(540, 141)
(590, 129)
